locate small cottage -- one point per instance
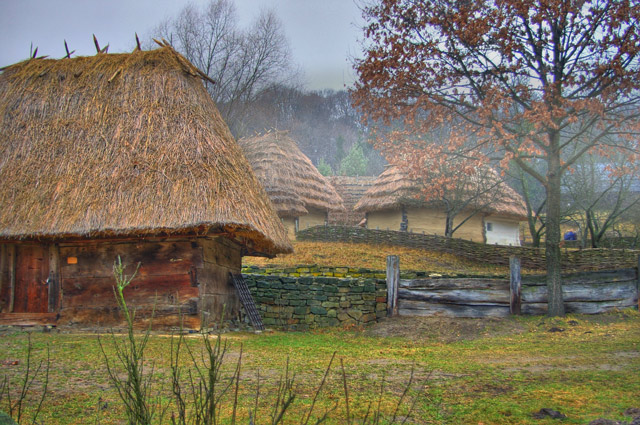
(300, 194)
(393, 203)
(351, 189)
(122, 155)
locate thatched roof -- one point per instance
(350, 189)
(394, 189)
(292, 182)
(123, 145)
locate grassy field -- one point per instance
(466, 371)
(339, 254)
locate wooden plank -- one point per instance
(156, 258)
(4, 284)
(393, 281)
(582, 293)
(141, 293)
(515, 286)
(421, 308)
(580, 307)
(222, 252)
(593, 277)
(54, 278)
(28, 319)
(456, 283)
(462, 296)
(11, 258)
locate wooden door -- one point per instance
(32, 272)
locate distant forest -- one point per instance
(257, 86)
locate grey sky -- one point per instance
(322, 34)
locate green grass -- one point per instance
(473, 371)
(374, 257)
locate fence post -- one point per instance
(515, 285)
(393, 280)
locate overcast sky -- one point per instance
(323, 34)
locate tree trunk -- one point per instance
(553, 236)
(448, 231)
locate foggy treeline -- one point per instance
(258, 87)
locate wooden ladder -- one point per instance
(247, 300)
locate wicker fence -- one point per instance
(531, 258)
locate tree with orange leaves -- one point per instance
(525, 81)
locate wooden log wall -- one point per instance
(465, 297)
(588, 293)
(219, 300)
(585, 293)
(163, 281)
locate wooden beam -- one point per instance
(54, 278)
(28, 319)
(393, 281)
(515, 286)
(3, 265)
(11, 259)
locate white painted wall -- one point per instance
(503, 232)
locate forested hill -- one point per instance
(324, 124)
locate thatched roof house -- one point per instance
(351, 190)
(123, 154)
(300, 194)
(394, 202)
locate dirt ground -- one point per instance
(445, 329)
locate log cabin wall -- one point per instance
(180, 276)
(7, 277)
(218, 297)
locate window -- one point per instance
(489, 227)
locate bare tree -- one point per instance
(242, 62)
(599, 195)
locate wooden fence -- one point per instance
(586, 292)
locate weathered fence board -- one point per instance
(462, 296)
(455, 283)
(587, 293)
(423, 308)
(591, 307)
(393, 282)
(582, 292)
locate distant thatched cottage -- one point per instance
(122, 155)
(351, 190)
(300, 194)
(393, 203)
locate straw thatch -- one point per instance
(123, 145)
(292, 182)
(394, 189)
(350, 189)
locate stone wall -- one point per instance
(531, 258)
(296, 302)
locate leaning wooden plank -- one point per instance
(422, 308)
(457, 296)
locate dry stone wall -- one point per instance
(300, 300)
